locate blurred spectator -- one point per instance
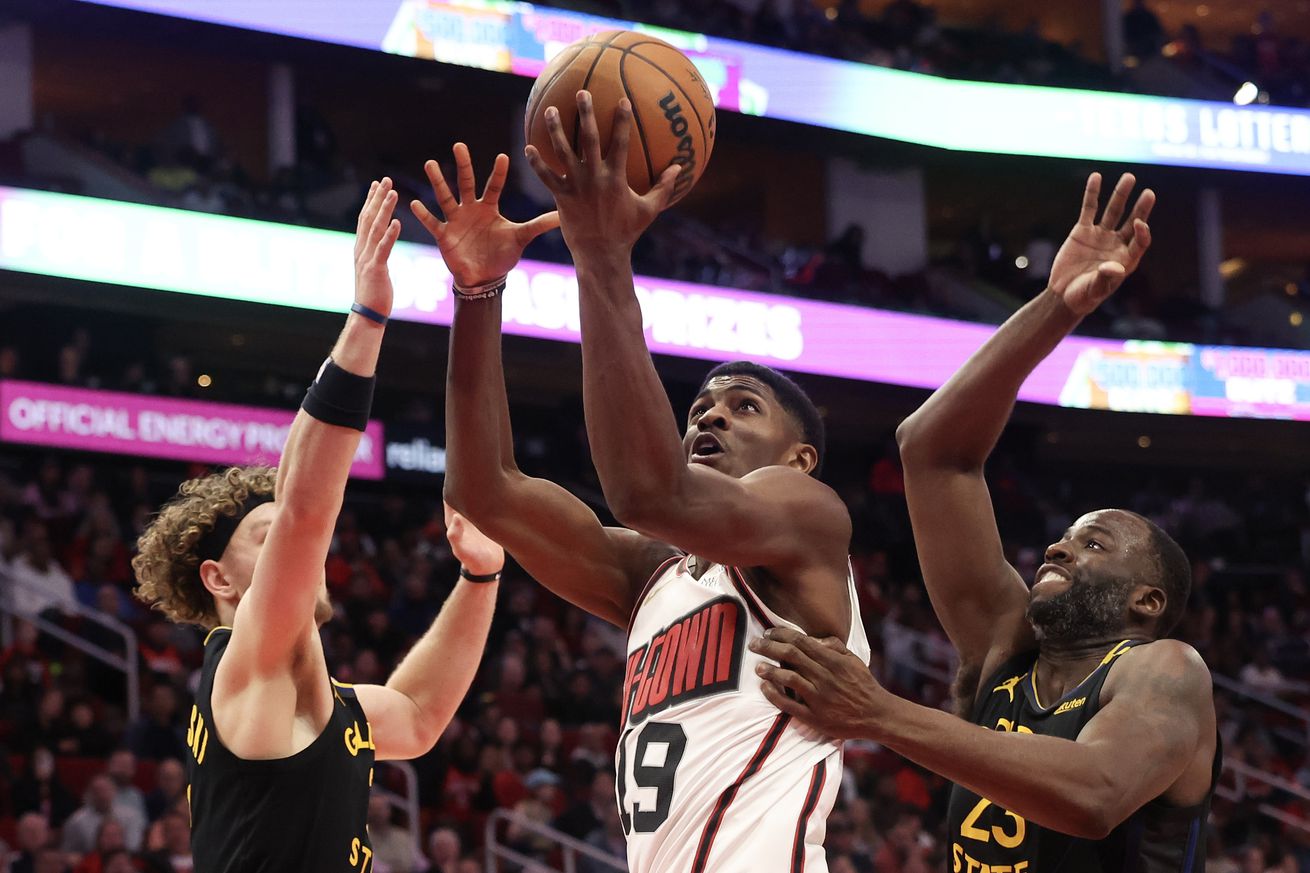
(393, 847)
(122, 770)
(31, 836)
(609, 838)
(170, 788)
(81, 831)
(587, 815)
(1261, 675)
(158, 733)
(191, 133)
(443, 851)
(40, 584)
(118, 861)
(539, 807)
(109, 839)
(170, 845)
(159, 653)
(40, 791)
(1143, 33)
(85, 735)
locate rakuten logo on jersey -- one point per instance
(695, 656)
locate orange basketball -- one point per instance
(672, 111)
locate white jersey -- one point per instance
(711, 777)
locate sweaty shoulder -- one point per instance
(1167, 668)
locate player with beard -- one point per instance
(1101, 752)
(280, 755)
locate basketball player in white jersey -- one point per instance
(728, 531)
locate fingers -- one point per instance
(447, 512)
(496, 181)
(464, 173)
(1141, 212)
(377, 194)
(1110, 271)
(620, 134)
(775, 695)
(835, 644)
(1091, 200)
(1114, 210)
(588, 135)
(445, 200)
(388, 241)
(662, 194)
(558, 141)
(434, 225)
(381, 220)
(530, 230)
(790, 653)
(787, 679)
(365, 210)
(552, 180)
(1141, 240)
(799, 645)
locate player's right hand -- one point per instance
(375, 234)
(478, 244)
(1097, 256)
(600, 210)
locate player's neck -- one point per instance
(1062, 665)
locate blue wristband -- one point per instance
(371, 314)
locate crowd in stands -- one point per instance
(909, 35)
(83, 787)
(187, 163)
(1278, 64)
(186, 166)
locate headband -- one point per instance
(211, 546)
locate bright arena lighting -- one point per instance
(1246, 94)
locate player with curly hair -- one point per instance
(281, 756)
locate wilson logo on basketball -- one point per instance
(695, 656)
(686, 156)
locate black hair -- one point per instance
(1175, 575)
(792, 397)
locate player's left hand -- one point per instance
(478, 244)
(1097, 256)
(598, 209)
(375, 235)
(479, 554)
(833, 690)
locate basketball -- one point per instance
(672, 110)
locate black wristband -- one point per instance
(340, 397)
(474, 577)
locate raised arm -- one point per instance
(1154, 735)
(409, 713)
(288, 576)
(977, 595)
(777, 517)
(551, 533)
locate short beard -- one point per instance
(1085, 610)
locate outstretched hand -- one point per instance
(479, 554)
(598, 208)
(1097, 256)
(478, 244)
(819, 682)
(375, 235)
